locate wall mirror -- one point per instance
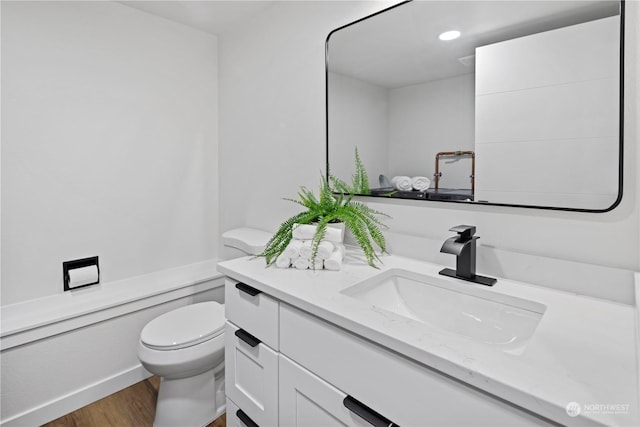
(522, 108)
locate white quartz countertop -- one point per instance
(583, 350)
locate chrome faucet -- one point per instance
(463, 246)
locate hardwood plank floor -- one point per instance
(132, 407)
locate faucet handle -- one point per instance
(465, 231)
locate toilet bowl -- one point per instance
(185, 348)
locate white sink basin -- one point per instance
(463, 308)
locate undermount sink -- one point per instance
(492, 318)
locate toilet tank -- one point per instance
(240, 242)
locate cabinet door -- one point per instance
(308, 401)
(251, 371)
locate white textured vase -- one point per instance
(340, 226)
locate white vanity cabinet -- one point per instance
(251, 357)
(399, 390)
(327, 376)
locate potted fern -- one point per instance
(334, 205)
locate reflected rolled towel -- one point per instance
(301, 263)
(293, 249)
(420, 183)
(402, 183)
(283, 261)
(305, 249)
(334, 262)
(307, 231)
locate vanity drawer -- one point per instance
(236, 417)
(251, 376)
(257, 313)
(373, 374)
(306, 400)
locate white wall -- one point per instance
(272, 141)
(109, 143)
(359, 117)
(399, 131)
(272, 108)
(428, 118)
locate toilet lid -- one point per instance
(184, 327)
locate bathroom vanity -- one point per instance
(406, 346)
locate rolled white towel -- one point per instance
(308, 231)
(293, 249)
(325, 248)
(334, 262)
(301, 263)
(283, 261)
(305, 249)
(420, 183)
(402, 183)
(319, 264)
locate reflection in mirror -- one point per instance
(521, 109)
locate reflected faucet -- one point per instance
(463, 246)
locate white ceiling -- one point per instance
(212, 16)
(400, 47)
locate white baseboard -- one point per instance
(79, 398)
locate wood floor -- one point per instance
(132, 407)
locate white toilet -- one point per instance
(185, 348)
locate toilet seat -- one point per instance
(184, 327)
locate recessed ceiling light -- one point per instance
(449, 35)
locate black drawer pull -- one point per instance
(245, 419)
(247, 337)
(247, 289)
(366, 413)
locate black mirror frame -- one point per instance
(554, 208)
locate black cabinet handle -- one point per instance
(247, 289)
(366, 413)
(245, 419)
(247, 337)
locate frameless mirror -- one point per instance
(521, 109)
